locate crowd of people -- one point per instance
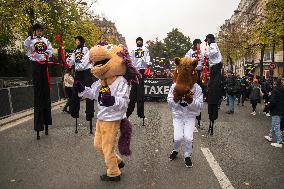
(255, 90)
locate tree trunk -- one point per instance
(283, 56)
(261, 60)
(273, 58)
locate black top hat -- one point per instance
(209, 36)
(139, 39)
(80, 38)
(37, 26)
(196, 41)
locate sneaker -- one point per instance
(121, 165)
(267, 114)
(253, 113)
(195, 130)
(268, 138)
(276, 145)
(188, 162)
(173, 155)
(107, 178)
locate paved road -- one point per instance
(68, 160)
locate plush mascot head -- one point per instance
(185, 77)
(112, 60)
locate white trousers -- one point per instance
(183, 131)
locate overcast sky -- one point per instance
(155, 18)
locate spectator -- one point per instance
(231, 91)
(254, 95)
(276, 107)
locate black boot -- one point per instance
(107, 178)
(37, 135)
(121, 165)
(198, 124)
(91, 127)
(209, 129)
(46, 129)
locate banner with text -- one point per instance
(157, 87)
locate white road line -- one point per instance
(217, 170)
(22, 120)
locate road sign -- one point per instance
(272, 66)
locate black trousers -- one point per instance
(253, 104)
(242, 97)
(68, 91)
(42, 103)
(213, 111)
(85, 77)
(137, 94)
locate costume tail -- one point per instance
(125, 137)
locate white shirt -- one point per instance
(193, 54)
(214, 54)
(140, 58)
(192, 110)
(120, 89)
(81, 59)
(37, 48)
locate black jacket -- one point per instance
(276, 104)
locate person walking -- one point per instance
(255, 93)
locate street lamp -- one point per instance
(258, 15)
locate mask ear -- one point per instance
(177, 61)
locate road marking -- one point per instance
(217, 170)
(22, 120)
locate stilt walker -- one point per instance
(214, 84)
(80, 58)
(141, 60)
(39, 50)
(196, 53)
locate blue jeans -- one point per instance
(275, 132)
(231, 100)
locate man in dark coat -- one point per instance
(214, 84)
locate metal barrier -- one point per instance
(16, 99)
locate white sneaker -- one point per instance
(195, 130)
(276, 145)
(267, 115)
(268, 138)
(253, 113)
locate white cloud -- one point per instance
(154, 18)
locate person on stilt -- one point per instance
(141, 60)
(214, 84)
(196, 53)
(39, 50)
(80, 58)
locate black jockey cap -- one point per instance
(196, 41)
(139, 39)
(210, 36)
(81, 39)
(37, 27)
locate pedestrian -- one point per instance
(39, 50)
(214, 84)
(186, 101)
(276, 107)
(141, 60)
(243, 88)
(196, 53)
(255, 95)
(68, 84)
(80, 58)
(231, 91)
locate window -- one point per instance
(267, 56)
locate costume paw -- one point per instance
(107, 100)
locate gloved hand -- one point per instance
(78, 86)
(183, 104)
(107, 100)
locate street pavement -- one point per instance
(68, 160)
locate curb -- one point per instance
(26, 113)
